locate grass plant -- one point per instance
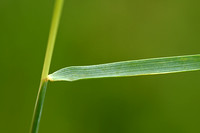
(153, 66)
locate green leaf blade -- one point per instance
(129, 68)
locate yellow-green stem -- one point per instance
(43, 83)
(52, 37)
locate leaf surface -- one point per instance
(151, 66)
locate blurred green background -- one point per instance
(94, 32)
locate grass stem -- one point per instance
(52, 37)
(43, 83)
(38, 107)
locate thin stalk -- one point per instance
(43, 83)
(38, 107)
(52, 37)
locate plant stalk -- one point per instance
(44, 80)
(38, 107)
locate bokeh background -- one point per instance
(94, 32)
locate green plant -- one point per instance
(118, 69)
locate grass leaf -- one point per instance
(129, 68)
